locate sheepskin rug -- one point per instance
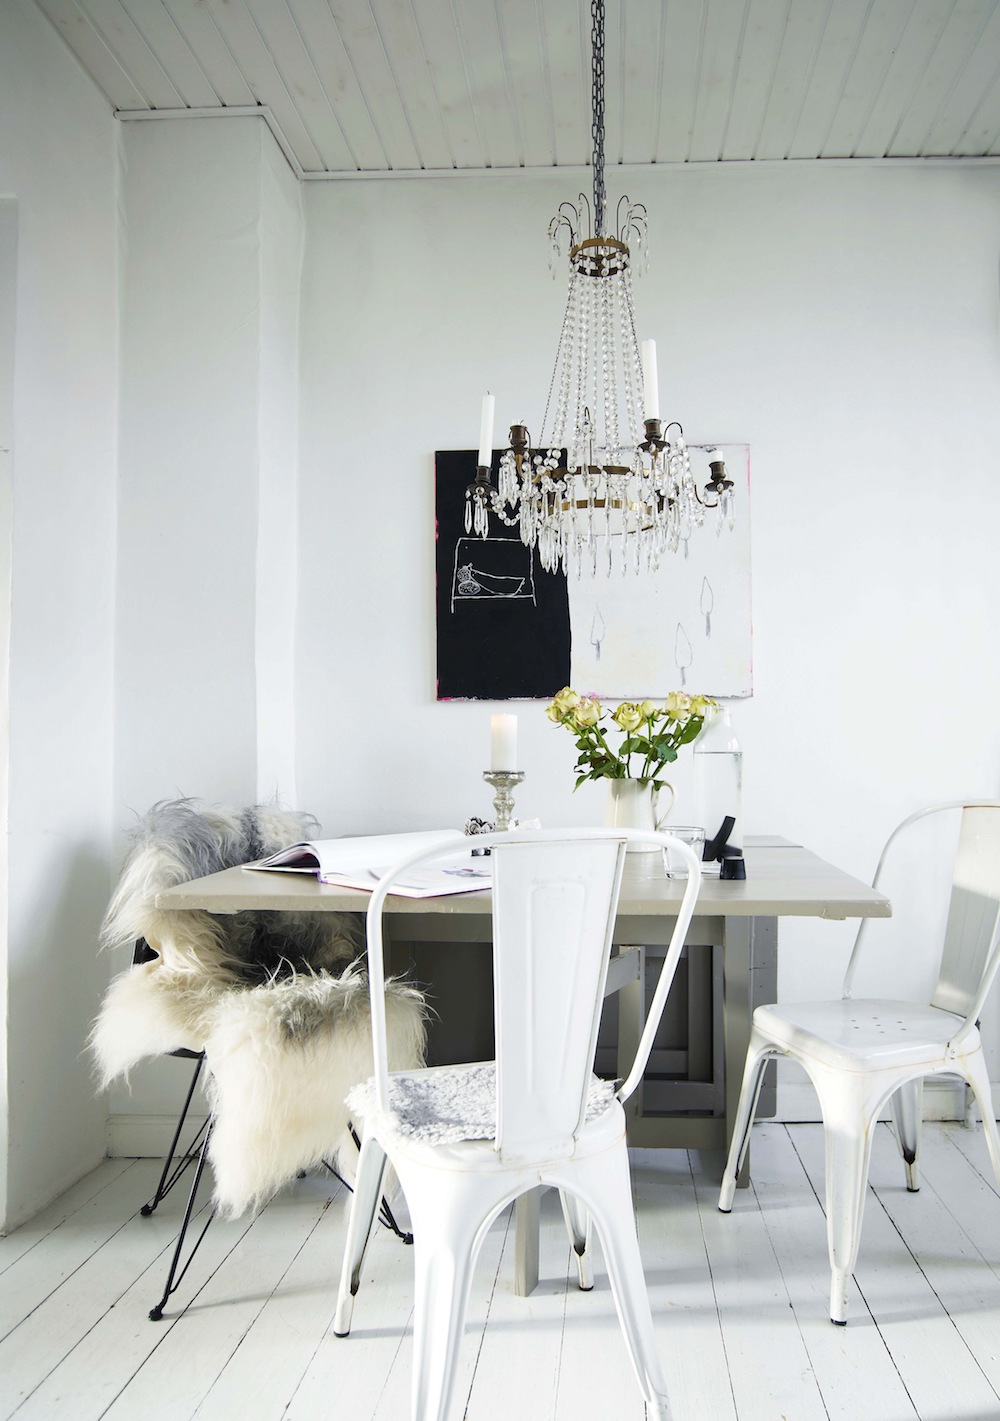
(277, 1001)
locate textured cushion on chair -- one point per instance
(445, 1104)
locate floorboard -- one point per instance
(929, 1352)
(739, 1303)
(14, 1246)
(854, 1371)
(768, 1362)
(681, 1289)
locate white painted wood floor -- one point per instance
(739, 1302)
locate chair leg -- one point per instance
(849, 1114)
(969, 1114)
(367, 1191)
(167, 1178)
(176, 1274)
(385, 1214)
(978, 1076)
(578, 1227)
(907, 1119)
(758, 1054)
(605, 1187)
(450, 1216)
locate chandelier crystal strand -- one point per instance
(604, 481)
(609, 290)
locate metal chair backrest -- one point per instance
(969, 958)
(971, 952)
(555, 898)
(553, 913)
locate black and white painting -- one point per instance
(507, 630)
(503, 627)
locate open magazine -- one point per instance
(361, 862)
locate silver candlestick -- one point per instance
(503, 781)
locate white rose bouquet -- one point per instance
(652, 734)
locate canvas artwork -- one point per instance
(508, 630)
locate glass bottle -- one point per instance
(718, 780)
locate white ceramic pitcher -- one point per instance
(637, 804)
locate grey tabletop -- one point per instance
(783, 880)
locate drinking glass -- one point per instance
(690, 834)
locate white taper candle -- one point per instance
(503, 742)
(486, 433)
(650, 384)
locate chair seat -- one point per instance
(444, 1105)
(864, 1034)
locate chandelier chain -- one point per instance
(597, 110)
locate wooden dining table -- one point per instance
(737, 920)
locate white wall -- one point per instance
(57, 159)
(842, 320)
(212, 239)
(282, 238)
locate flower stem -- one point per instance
(649, 750)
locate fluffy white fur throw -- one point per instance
(277, 1002)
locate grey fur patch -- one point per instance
(178, 841)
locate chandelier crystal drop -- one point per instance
(597, 490)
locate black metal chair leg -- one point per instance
(168, 1179)
(174, 1277)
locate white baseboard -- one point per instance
(147, 1136)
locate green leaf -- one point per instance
(689, 731)
(635, 745)
(663, 748)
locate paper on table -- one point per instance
(455, 875)
(347, 855)
(361, 862)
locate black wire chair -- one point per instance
(178, 1161)
(195, 1154)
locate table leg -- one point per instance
(631, 1019)
(526, 1224)
(736, 1014)
(747, 941)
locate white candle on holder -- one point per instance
(503, 742)
(650, 383)
(486, 433)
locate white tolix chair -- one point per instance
(864, 1053)
(467, 1140)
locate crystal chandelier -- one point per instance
(594, 492)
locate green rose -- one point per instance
(562, 705)
(678, 706)
(628, 716)
(587, 713)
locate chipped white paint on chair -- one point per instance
(554, 900)
(861, 1054)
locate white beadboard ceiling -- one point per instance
(410, 86)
